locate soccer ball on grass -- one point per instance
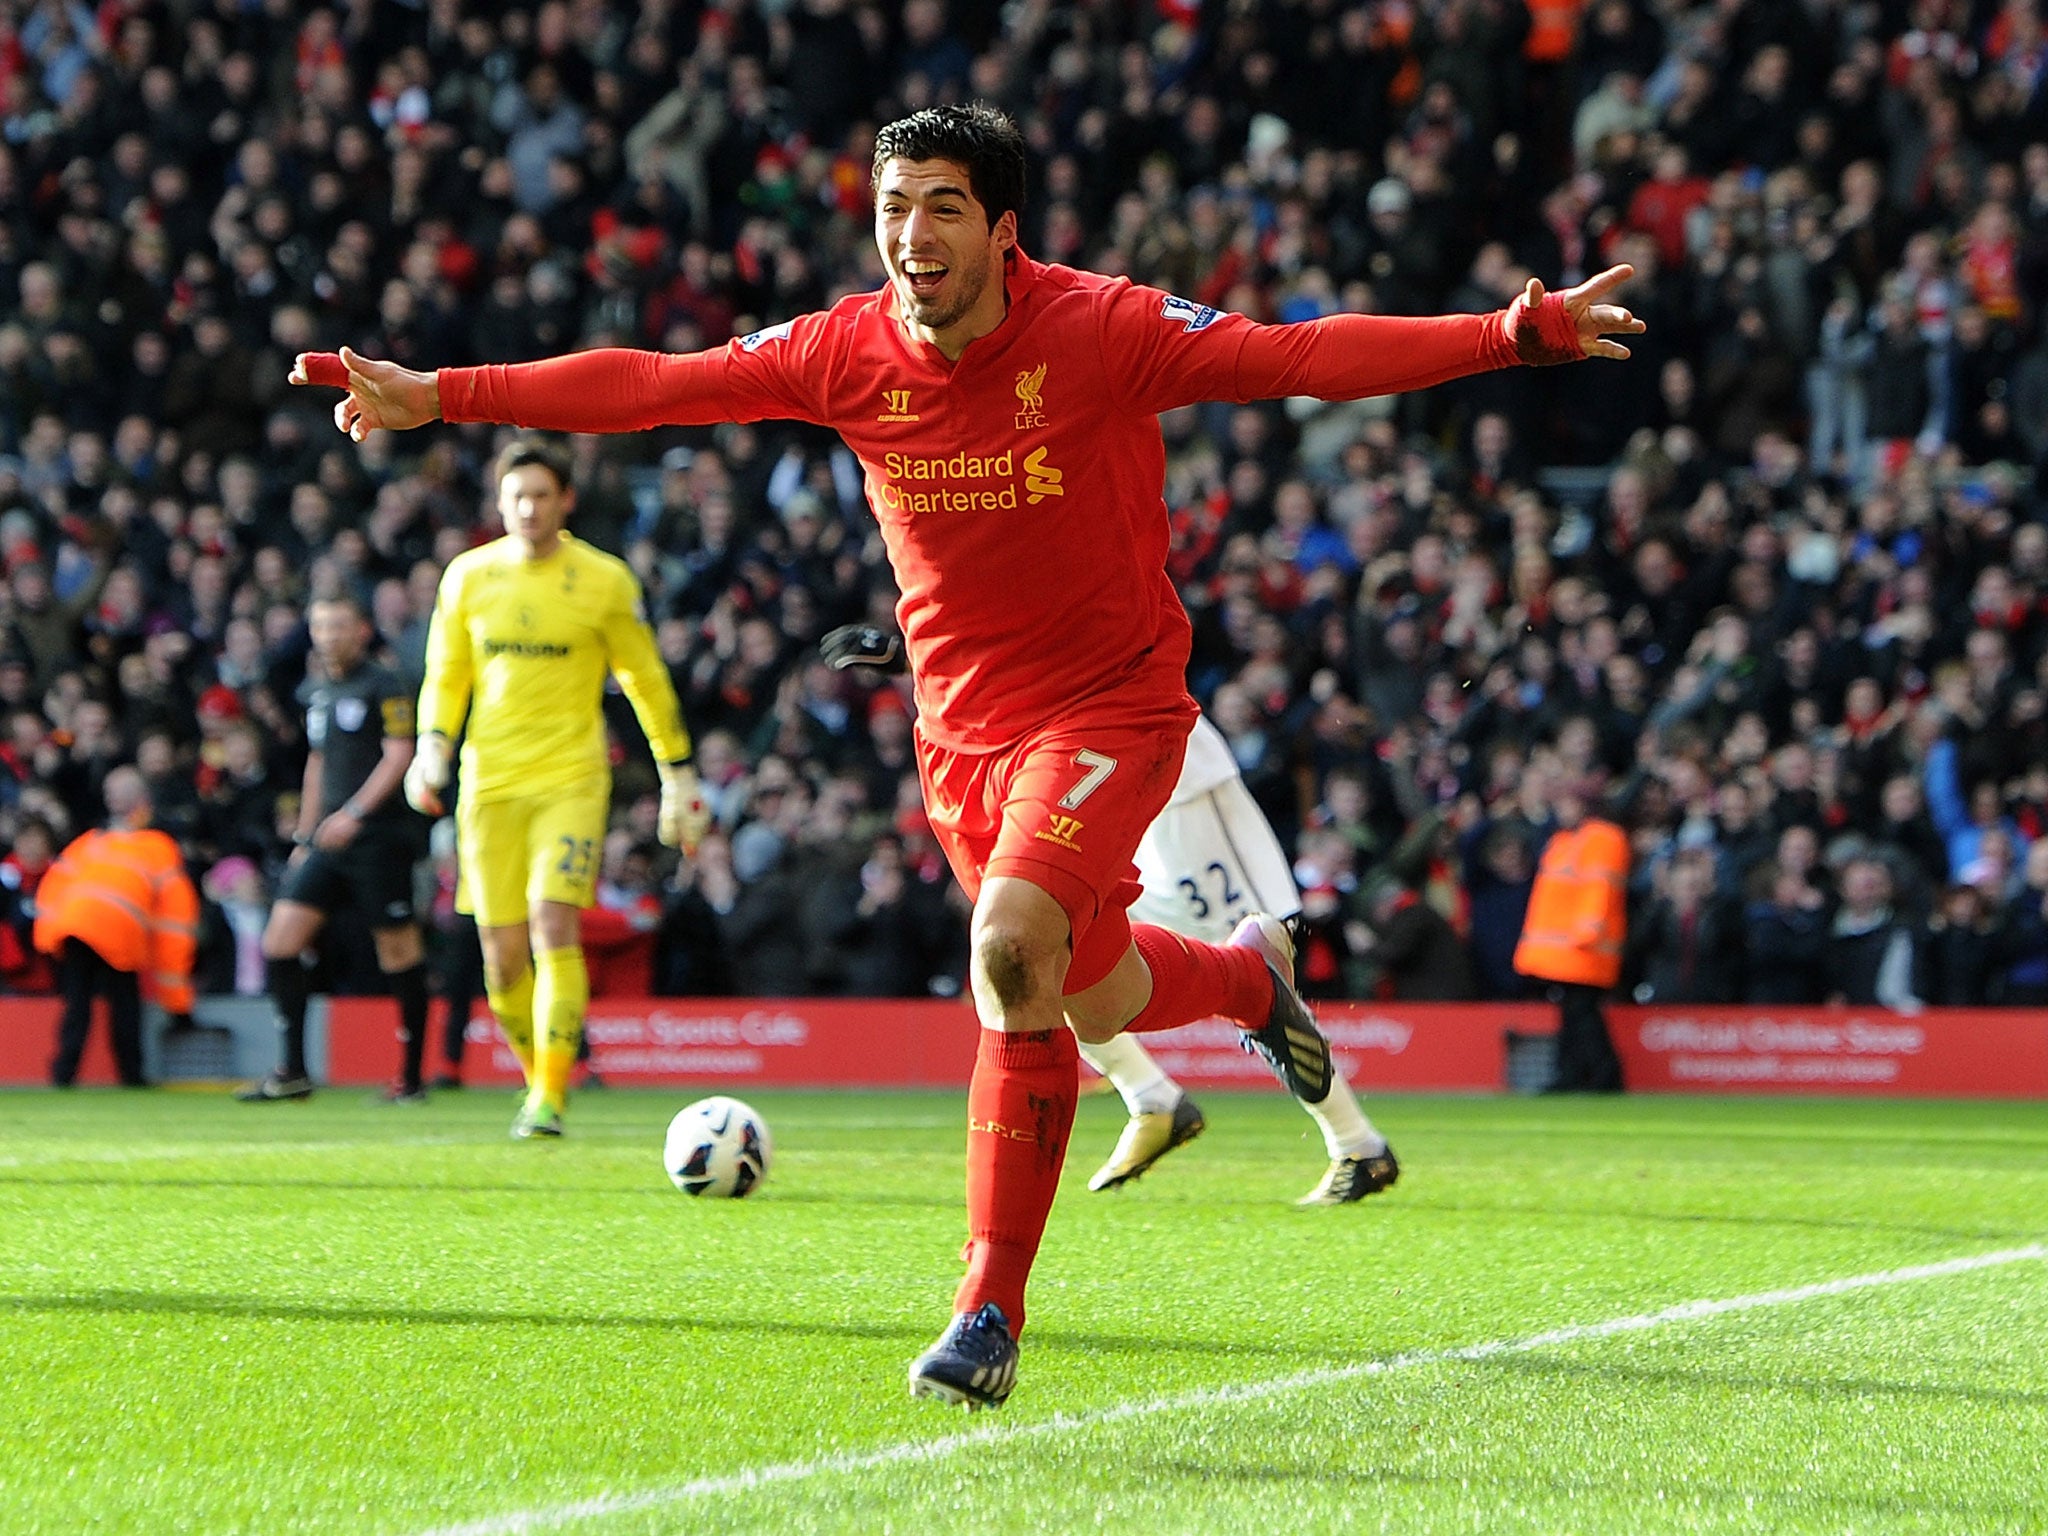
(717, 1146)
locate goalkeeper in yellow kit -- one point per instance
(524, 630)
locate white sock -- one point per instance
(1134, 1074)
(1346, 1131)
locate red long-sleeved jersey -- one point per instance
(1019, 488)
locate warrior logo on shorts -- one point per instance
(1031, 398)
(1062, 831)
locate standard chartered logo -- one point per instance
(966, 482)
(1041, 479)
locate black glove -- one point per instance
(861, 645)
(181, 1021)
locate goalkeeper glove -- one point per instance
(428, 775)
(685, 818)
(860, 645)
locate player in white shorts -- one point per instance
(1208, 860)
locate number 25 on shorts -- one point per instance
(576, 859)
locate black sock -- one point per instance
(410, 988)
(454, 1026)
(290, 990)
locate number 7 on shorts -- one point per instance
(1099, 768)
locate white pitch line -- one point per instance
(521, 1521)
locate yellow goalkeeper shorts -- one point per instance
(512, 854)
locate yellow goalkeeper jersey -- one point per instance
(521, 648)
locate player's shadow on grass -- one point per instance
(653, 1190)
(257, 1309)
(1746, 1497)
(1091, 1344)
(1820, 1388)
(254, 1309)
(1492, 1210)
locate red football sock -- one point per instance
(1020, 1107)
(1192, 980)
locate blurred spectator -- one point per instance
(1689, 942)
(231, 960)
(22, 967)
(619, 932)
(1787, 937)
(886, 921)
(1958, 950)
(1418, 955)
(1872, 958)
(1499, 882)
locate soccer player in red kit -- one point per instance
(1005, 413)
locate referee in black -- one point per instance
(357, 842)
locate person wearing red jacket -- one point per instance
(120, 914)
(1005, 414)
(22, 968)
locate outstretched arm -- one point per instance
(1178, 354)
(610, 389)
(1348, 357)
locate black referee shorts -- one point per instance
(373, 874)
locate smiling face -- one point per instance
(943, 257)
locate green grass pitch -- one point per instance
(342, 1318)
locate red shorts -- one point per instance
(1064, 809)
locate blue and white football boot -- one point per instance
(973, 1364)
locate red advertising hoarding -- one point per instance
(1417, 1047)
(774, 1042)
(1978, 1053)
(822, 1042)
(1414, 1047)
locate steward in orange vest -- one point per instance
(1578, 907)
(122, 918)
(1572, 938)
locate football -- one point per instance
(717, 1146)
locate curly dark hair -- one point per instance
(974, 135)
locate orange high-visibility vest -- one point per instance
(1578, 908)
(1553, 30)
(127, 895)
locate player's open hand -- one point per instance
(1563, 327)
(380, 394)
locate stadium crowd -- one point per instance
(1775, 593)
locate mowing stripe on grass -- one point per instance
(1211, 1397)
(176, 1151)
